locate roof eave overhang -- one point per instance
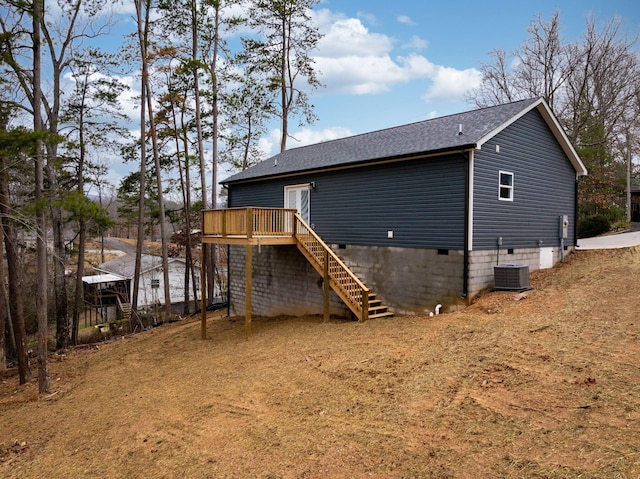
(358, 164)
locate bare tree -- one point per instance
(540, 67)
(41, 218)
(590, 84)
(59, 37)
(600, 111)
(78, 21)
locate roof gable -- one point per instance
(554, 126)
(461, 131)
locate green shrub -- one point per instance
(620, 225)
(614, 214)
(592, 226)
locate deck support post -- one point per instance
(203, 292)
(326, 287)
(248, 274)
(365, 305)
(248, 284)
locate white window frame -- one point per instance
(504, 187)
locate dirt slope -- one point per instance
(547, 386)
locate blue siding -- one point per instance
(544, 188)
(263, 194)
(421, 201)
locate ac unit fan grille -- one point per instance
(511, 277)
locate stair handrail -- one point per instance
(358, 296)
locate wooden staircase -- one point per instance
(360, 300)
(124, 309)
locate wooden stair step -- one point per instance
(377, 305)
(386, 314)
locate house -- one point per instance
(151, 289)
(420, 213)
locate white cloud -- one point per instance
(352, 59)
(323, 18)
(416, 43)
(271, 145)
(368, 17)
(405, 19)
(359, 75)
(307, 136)
(450, 84)
(350, 37)
(124, 7)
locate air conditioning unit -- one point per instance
(511, 277)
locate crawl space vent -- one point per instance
(511, 277)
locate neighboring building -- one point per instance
(106, 297)
(151, 290)
(421, 213)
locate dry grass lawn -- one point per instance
(547, 386)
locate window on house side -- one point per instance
(505, 186)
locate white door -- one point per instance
(546, 258)
(297, 197)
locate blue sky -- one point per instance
(444, 42)
(387, 63)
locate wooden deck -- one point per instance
(244, 226)
(279, 226)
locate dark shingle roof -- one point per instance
(430, 136)
(125, 265)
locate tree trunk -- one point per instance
(161, 210)
(41, 239)
(142, 39)
(16, 311)
(79, 295)
(61, 299)
(284, 84)
(4, 314)
(629, 171)
(187, 217)
(210, 255)
(201, 158)
(184, 176)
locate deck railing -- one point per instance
(346, 284)
(248, 222)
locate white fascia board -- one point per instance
(102, 278)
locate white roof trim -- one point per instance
(555, 127)
(102, 278)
